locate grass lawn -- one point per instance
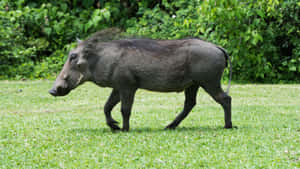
(40, 131)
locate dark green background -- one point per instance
(262, 37)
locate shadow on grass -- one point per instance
(97, 131)
(179, 129)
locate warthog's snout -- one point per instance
(53, 92)
(59, 91)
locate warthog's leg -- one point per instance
(127, 98)
(190, 102)
(222, 98)
(113, 99)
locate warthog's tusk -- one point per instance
(79, 79)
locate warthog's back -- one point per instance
(169, 65)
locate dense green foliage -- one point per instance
(40, 131)
(262, 37)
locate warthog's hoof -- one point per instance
(230, 127)
(125, 130)
(170, 127)
(113, 125)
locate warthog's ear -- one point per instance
(78, 40)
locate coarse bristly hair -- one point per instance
(110, 34)
(124, 40)
(105, 35)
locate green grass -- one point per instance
(40, 131)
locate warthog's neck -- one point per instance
(102, 83)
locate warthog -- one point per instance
(156, 65)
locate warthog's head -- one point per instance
(75, 72)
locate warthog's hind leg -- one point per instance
(217, 93)
(189, 103)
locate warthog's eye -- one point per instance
(73, 56)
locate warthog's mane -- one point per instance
(106, 35)
(149, 45)
(116, 36)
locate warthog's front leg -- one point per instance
(113, 100)
(127, 98)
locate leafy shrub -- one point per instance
(262, 37)
(33, 32)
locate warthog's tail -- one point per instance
(230, 66)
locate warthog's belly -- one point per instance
(163, 80)
(165, 86)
